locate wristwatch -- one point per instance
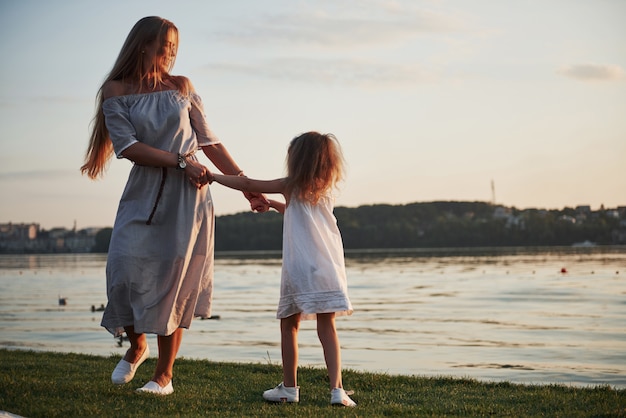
(182, 162)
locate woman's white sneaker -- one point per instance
(125, 371)
(282, 394)
(154, 388)
(338, 396)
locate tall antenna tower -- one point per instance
(493, 193)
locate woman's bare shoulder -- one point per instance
(181, 80)
(114, 88)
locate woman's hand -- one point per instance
(197, 174)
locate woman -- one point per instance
(160, 262)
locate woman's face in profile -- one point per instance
(163, 53)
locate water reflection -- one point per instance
(488, 313)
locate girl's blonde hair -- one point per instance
(315, 165)
(128, 69)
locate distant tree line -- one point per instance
(431, 224)
(469, 224)
(103, 237)
(427, 225)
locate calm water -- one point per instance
(488, 314)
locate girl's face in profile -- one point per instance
(163, 53)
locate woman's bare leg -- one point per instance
(289, 349)
(327, 334)
(138, 345)
(168, 349)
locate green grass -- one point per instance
(42, 384)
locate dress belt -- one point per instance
(158, 198)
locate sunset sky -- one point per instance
(431, 100)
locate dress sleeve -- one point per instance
(117, 119)
(200, 124)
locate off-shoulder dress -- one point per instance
(160, 263)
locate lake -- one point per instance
(523, 315)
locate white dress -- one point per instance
(160, 262)
(313, 278)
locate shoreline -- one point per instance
(79, 385)
(320, 366)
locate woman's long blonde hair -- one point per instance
(128, 68)
(315, 164)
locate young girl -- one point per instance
(313, 279)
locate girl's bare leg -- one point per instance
(138, 345)
(289, 349)
(168, 349)
(327, 334)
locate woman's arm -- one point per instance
(142, 154)
(247, 184)
(220, 157)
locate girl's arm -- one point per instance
(220, 157)
(246, 184)
(279, 206)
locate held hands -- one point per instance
(198, 174)
(258, 202)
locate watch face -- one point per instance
(182, 164)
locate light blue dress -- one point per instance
(160, 262)
(313, 278)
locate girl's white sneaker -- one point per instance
(338, 396)
(282, 394)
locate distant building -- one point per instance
(82, 241)
(500, 212)
(612, 214)
(29, 238)
(15, 238)
(583, 209)
(13, 231)
(506, 214)
(567, 219)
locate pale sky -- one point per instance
(431, 100)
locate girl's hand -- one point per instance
(258, 202)
(210, 177)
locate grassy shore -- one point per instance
(42, 384)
